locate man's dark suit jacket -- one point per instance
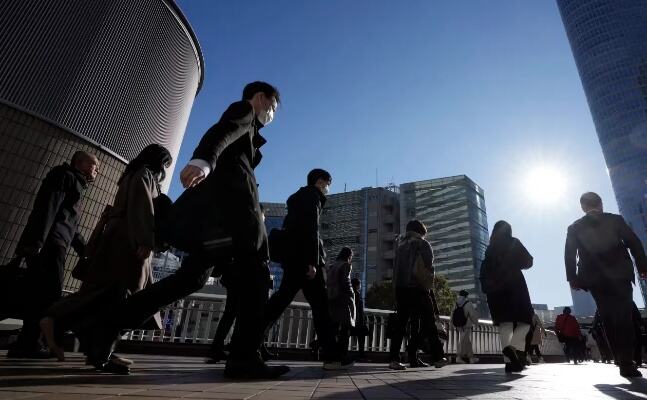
(597, 250)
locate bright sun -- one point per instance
(545, 185)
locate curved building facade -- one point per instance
(108, 77)
(609, 43)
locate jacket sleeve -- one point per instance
(344, 277)
(427, 254)
(570, 255)
(525, 259)
(472, 314)
(559, 323)
(634, 244)
(48, 201)
(78, 243)
(233, 124)
(140, 214)
(308, 217)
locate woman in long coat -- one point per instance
(121, 263)
(341, 300)
(507, 293)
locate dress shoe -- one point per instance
(418, 363)
(515, 364)
(266, 354)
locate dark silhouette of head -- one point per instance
(416, 226)
(87, 164)
(356, 284)
(345, 254)
(591, 202)
(154, 157)
(567, 310)
(501, 233)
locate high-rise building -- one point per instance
(583, 303)
(609, 44)
(274, 215)
(453, 209)
(367, 221)
(107, 77)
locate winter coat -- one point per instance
(504, 283)
(538, 332)
(225, 207)
(130, 225)
(567, 325)
(409, 248)
(55, 213)
(602, 242)
(470, 311)
(304, 245)
(341, 298)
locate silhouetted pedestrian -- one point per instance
(466, 318)
(568, 331)
(360, 330)
(304, 263)
(413, 302)
(507, 293)
(341, 302)
(51, 229)
(597, 259)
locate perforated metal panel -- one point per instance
(121, 73)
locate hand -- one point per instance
(643, 275)
(312, 271)
(143, 252)
(574, 286)
(191, 176)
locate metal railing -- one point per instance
(195, 318)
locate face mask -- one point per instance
(265, 117)
(325, 190)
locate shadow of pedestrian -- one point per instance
(636, 390)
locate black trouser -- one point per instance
(572, 348)
(361, 339)
(535, 348)
(615, 304)
(343, 338)
(294, 279)
(226, 320)
(248, 273)
(415, 305)
(45, 274)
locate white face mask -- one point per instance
(265, 116)
(325, 190)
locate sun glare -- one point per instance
(545, 185)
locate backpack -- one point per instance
(459, 319)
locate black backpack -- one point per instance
(458, 316)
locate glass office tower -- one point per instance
(453, 209)
(609, 44)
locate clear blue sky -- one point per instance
(417, 90)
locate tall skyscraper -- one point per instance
(367, 221)
(609, 44)
(583, 303)
(453, 209)
(107, 77)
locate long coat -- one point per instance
(597, 250)
(509, 301)
(301, 223)
(341, 298)
(225, 208)
(131, 223)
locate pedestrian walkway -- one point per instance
(162, 377)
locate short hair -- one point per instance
(81, 156)
(463, 293)
(416, 226)
(567, 310)
(252, 88)
(355, 282)
(344, 253)
(590, 200)
(316, 174)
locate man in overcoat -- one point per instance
(597, 259)
(305, 259)
(222, 226)
(51, 229)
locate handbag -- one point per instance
(423, 275)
